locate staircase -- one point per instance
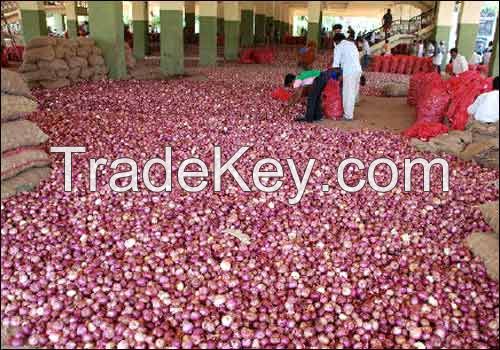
(404, 32)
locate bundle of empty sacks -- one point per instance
(56, 62)
(25, 163)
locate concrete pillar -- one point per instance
(246, 26)
(468, 27)
(283, 21)
(269, 20)
(140, 26)
(313, 14)
(277, 22)
(71, 18)
(494, 57)
(189, 10)
(260, 22)
(220, 19)
(106, 28)
(444, 24)
(171, 37)
(33, 19)
(232, 17)
(208, 33)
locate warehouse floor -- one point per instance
(142, 269)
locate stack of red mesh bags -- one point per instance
(428, 92)
(464, 89)
(436, 100)
(402, 64)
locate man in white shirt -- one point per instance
(459, 62)
(476, 58)
(485, 109)
(346, 58)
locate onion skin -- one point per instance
(336, 270)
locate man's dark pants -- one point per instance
(314, 108)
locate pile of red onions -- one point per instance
(145, 270)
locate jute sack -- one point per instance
(55, 84)
(97, 77)
(62, 73)
(26, 181)
(27, 67)
(95, 60)
(423, 146)
(60, 51)
(86, 73)
(34, 55)
(16, 162)
(14, 84)
(15, 107)
(464, 136)
(482, 131)
(84, 41)
(485, 246)
(77, 62)
(83, 51)
(101, 69)
(96, 51)
(74, 74)
(41, 74)
(21, 133)
(54, 65)
(448, 144)
(395, 90)
(477, 148)
(490, 214)
(41, 41)
(69, 53)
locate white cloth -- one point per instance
(475, 58)
(346, 56)
(420, 52)
(366, 47)
(350, 92)
(487, 57)
(460, 65)
(430, 50)
(485, 108)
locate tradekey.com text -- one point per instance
(268, 174)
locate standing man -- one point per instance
(387, 23)
(459, 62)
(346, 59)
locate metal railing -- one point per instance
(410, 27)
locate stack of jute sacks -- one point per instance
(56, 62)
(24, 162)
(486, 245)
(478, 143)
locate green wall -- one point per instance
(106, 28)
(313, 32)
(231, 40)
(34, 23)
(72, 28)
(208, 41)
(171, 42)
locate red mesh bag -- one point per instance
(433, 104)
(377, 63)
(426, 131)
(403, 61)
(449, 69)
(395, 64)
(263, 56)
(247, 56)
(332, 100)
(386, 64)
(281, 94)
(410, 64)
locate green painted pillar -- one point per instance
(140, 27)
(246, 28)
(320, 27)
(468, 27)
(231, 30)
(220, 26)
(260, 28)
(171, 37)
(106, 28)
(444, 22)
(313, 15)
(494, 57)
(71, 18)
(208, 33)
(33, 19)
(269, 27)
(276, 27)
